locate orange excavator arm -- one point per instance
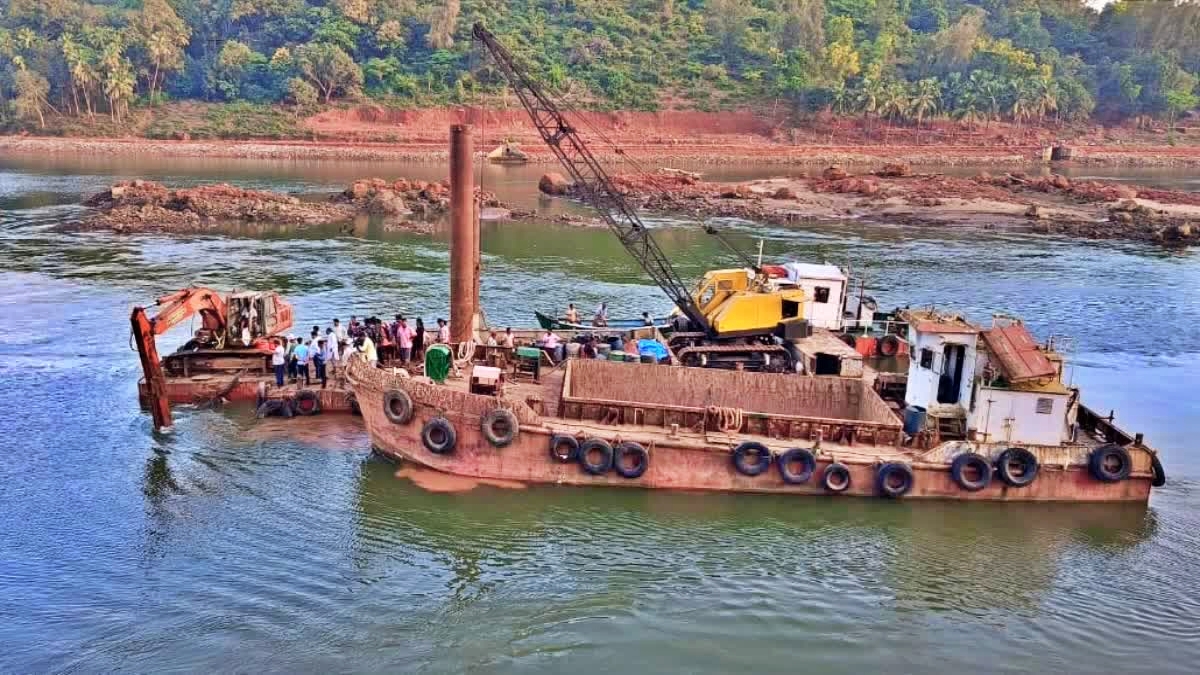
(179, 306)
(173, 309)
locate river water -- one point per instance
(233, 544)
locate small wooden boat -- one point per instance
(547, 322)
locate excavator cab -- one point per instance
(736, 304)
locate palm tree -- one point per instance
(986, 91)
(1045, 97)
(118, 86)
(841, 99)
(894, 104)
(925, 100)
(868, 97)
(969, 108)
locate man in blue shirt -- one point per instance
(301, 355)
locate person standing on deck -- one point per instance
(572, 314)
(246, 339)
(646, 320)
(354, 330)
(301, 355)
(443, 334)
(319, 361)
(331, 350)
(601, 318)
(630, 347)
(419, 341)
(339, 331)
(551, 343)
(367, 347)
(290, 358)
(347, 351)
(279, 361)
(510, 341)
(404, 339)
(491, 341)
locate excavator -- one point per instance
(217, 339)
(732, 318)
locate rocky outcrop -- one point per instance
(554, 184)
(147, 206)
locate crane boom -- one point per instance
(591, 179)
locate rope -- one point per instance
(729, 420)
(466, 354)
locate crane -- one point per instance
(727, 305)
(591, 178)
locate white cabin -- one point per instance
(1021, 398)
(942, 359)
(824, 289)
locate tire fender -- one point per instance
(438, 436)
(398, 406)
(500, 427)
(744, 458)
(807, 461)
(631, 449)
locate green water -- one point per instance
(240, 545)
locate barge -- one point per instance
(594, 422)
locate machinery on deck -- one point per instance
(218, 338)
(732, 318)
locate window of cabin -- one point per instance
(821, 294)
(1045, 406)
(927, 359)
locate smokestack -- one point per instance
(464, 299)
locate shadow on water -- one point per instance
(940, 556)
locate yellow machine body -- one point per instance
(736, 303)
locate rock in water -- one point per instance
(894, 170)
(554, 184)
(834, 172)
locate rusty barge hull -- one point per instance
(582, 401)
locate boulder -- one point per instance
(784, 192)
(894, 170)
(554, 184)
(834, 172)
(1034, 212)
(1060, 182)
(359, 190)
(1124, 192)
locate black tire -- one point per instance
(604, 464)
(307, 403)
(500, 427)
(1110, 463)
(438, 436)
(1017, 467)
(807, 461)
(742, 460)
(971, 461)
(1160, 475)
(398, 406)
(836, 478)
(630, 449)
(889, 345)
(564, 449)
(273, 407)
(894, 479)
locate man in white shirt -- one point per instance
(339, 331)
(278, 361)
(331, 350)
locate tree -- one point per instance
(925, 100)
(441, 28)
(301, 92)
(163, 35)
(328, 68)
(31, 89)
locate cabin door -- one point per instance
(950, 383)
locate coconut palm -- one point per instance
(969, 108)
(868, 96)
(925, 100)
(894, 103)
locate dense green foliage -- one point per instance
(911, 60)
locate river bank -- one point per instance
(709, 149)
